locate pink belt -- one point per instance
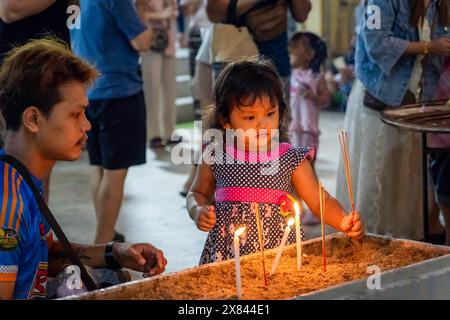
(239, 194)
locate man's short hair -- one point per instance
(32, 74)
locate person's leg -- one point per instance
(195, 41)
(108, 202)
(151, 75)
(202, 90)
(440, 172)
(435, 227)
(168, 94)
(96, 179)
(94, 114)
(119, 152)
(446, 213)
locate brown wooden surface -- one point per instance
(431, 117)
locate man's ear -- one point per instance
(30, 119)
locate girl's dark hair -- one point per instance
(419, 11)
(316, 44)
(240, 84)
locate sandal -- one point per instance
(156, 143)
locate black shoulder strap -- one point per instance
(45, 211)
(231, 12)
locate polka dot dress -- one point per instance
(245, 182)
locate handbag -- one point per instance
(267, 20)
(160, 40)
(45, 211)
(231, 43)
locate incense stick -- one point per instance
(322, 215)
(261, 240)
(343, 139)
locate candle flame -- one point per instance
(291, 222)
(239, 231)
(296, 208)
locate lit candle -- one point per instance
(282, 244)
(237, 258)
(298, 236)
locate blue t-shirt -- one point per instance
(107, 26)
(25, 236)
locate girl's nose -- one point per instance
(262, 123)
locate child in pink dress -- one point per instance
(309, 90)
(309, 93)
(243, 177)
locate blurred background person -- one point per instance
(110, 37)
(158, 70)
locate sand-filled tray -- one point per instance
(346, 263)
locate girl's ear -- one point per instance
(224, 123)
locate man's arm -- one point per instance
(300, 9)
(13, 10)
(217, 9)
(7, 290)
(92, 255)
(143, 41)
(142, 257)
(130, 19)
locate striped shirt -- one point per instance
(25, 236)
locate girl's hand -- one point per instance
(206, 218)
(310, 95)
(440, 47)
(351, 225)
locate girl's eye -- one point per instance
(271, 113)
(250, 118)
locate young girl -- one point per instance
(253, 172)
(309, 93)
(309, 90)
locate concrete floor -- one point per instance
(153, 211)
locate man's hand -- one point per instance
(142, 257)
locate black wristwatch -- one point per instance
(109, 258)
